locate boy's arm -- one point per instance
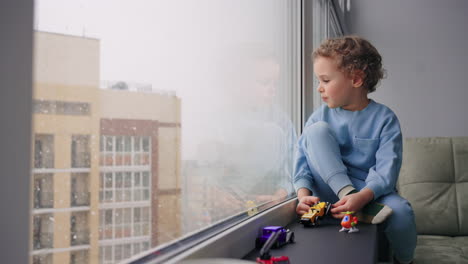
(383, 175)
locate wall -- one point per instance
(424, 48)
(16, 25)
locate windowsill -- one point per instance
(234, 242)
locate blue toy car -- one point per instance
(285, 236)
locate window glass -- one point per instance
(43, 190)
(81, 152)
(43, 226)
(79, 189)
(154, 126)
(43, 151)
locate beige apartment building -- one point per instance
(106, 159)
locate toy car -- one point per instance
(316, 212)
(265, 257)
(285, 236)
(274, 260)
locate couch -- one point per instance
(434, 179)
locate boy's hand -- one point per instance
(352, 202)
(304, 204)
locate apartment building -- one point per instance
(106, 180)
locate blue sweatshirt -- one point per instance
(370, 143)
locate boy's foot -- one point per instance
(373, 212)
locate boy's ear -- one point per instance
(358, 78)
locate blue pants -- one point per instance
(324, 158)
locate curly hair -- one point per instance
(354, 54)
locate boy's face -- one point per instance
(335, 88)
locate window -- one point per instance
(81, 154)
(130, 223)
(42, 259)
(325, 24)
(125, 151)
(43, 236)
(79, 257)
(80, 189)
(79, 228)
(125, 186)
(163, 123)
(43, 191)
(60, 108)
(43, 151)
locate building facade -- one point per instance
(106, 159)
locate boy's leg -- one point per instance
(323, 156)
(400, 227)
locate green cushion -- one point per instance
(434, 179)
(441, 249)
(460, 150)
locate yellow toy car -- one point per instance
(316, 212)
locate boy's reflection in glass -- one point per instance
(255, 139)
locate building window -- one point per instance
(81, 154)
(80, 189)
(43, 191)
(124, 222)
(43, 231)
(43, 151)
(125, 151)
(61, 108)
(124, 186)
(132, 184)
(114, 253)
(131, 225)
(42, 259)
(79, 257)
(79, 228)
(141, 224)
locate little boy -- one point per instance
(350, 152)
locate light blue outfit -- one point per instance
(360, 148)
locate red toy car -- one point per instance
(274, 260)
